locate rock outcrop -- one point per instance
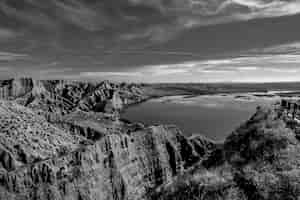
(14, 88)
(290, 112)
(258, 161)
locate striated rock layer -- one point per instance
(15, 87)
(124, 161)
(54, 98)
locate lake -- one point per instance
(214, 116)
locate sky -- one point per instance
(151, 40)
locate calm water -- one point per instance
(214, 116)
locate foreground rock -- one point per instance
(109, 160)
(27, 138)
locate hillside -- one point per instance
(259, 161)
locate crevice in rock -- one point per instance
(172, 158)
(187, 153)
(247, 187)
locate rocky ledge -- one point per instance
(62, 141)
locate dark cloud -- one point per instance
(122, 15)
(118, 36)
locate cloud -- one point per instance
(52, 70)
(154, 33)
(6, 33)
(284, 70)
(291, 48)
(219, 71)
(156, 20)
(247, 68)
(8, 56)
(219, 62)
(253, 62)
(127, 33)
(148, 52)
(150, 71)
(164, 70)
(268, 64)
(188, 14)
(108, 74)
(26, 12)
(241, 10)
(4, 69)
(80, 14)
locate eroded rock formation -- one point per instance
(55, 98)
(15, 87)
(62, 141)
(260, 160)
(86, 156)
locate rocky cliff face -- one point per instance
(260, 160)
(54, 98)
(86, 156)
(15, 87)
(27, 138)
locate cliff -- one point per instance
(98, 158)
(27, 138)
(54, 98)
(258, 161)
(15, 87)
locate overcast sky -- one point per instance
(151, 40)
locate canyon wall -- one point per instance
(63, 97)
(125, 161)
